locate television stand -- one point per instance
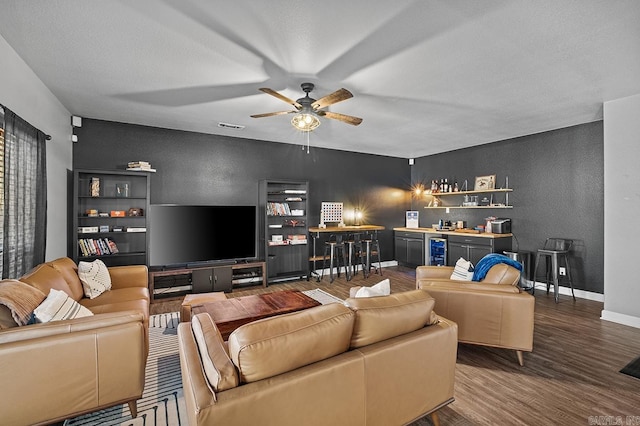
(173, 284)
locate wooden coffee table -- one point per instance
(231, 313)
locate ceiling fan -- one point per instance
(308, 109)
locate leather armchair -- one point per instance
(492, 312)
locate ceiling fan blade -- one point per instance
(281, 97)
(271, 114)
(349, 119)
(335, 97)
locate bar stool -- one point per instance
(333, 249)
(353, 247)
(370, 247)
(554, 249)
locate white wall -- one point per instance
(25, 94)
(621, 207)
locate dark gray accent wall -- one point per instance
(557, 181)
(196, 168)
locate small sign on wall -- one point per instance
(412, 219)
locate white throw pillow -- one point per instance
(95, 278)
(59, 306)
(463, 271)
(383, 288)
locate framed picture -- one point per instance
(485, 182)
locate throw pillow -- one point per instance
(383, 288)
(463, 271)
(95, 278)
(59, 306)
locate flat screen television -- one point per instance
(182, 235)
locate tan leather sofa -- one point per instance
(380, 361)
(492, 312)
(57, 370)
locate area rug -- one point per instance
(632, 369)
(322, 296)
(162, 401)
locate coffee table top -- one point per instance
(231, 313)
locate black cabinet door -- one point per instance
(478, 252)
(457, 251)
(415, 252)
(401, 250)
(202, 280)
(207, 280)
(222, 276)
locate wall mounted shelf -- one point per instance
(504, 205)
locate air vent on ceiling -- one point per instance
(230, 126)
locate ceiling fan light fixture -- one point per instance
(305, 122)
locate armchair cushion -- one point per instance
(425, 284)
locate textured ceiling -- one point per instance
(427, 76)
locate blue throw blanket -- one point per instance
(488, 261)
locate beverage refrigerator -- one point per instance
(437, 251)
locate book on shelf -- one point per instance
(278, 209)
(295, 239)
(136, 229)
(87, 229)
(140, 166)
(294, 191)
(141, 169)
(97, 246)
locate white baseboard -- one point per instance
(620, 318)
(582, 294)
(384, 264)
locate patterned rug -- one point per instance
(322, 296)
(162, 402)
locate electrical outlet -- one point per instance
(563, 271)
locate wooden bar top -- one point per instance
(347, 228)
(459, 233)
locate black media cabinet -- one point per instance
(176, 283)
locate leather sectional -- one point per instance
(376, 361)
(57, 370)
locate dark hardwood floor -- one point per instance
(571, 375)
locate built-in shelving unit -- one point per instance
(109, 217)
(283, 228)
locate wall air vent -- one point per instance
(230, 126)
